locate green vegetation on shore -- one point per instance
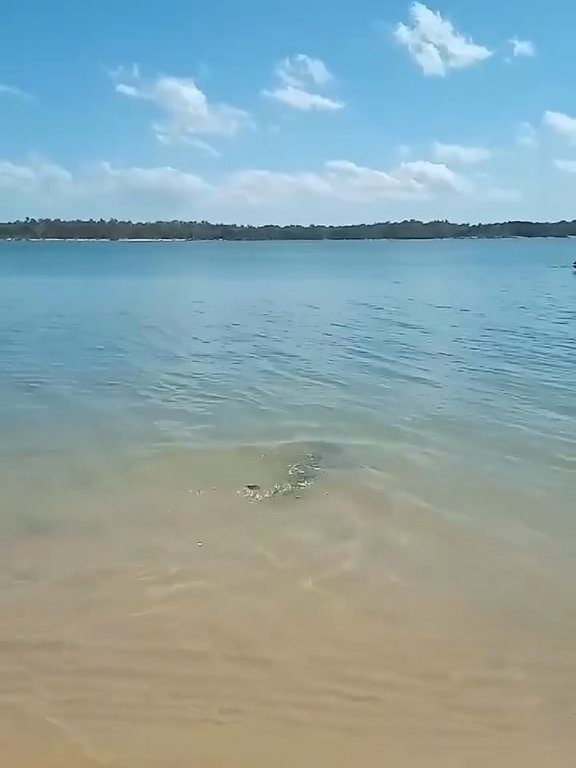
(112, 229)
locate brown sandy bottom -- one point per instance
(164, 627)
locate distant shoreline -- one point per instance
(273, 239)
(113, 230)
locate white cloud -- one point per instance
(435, 45)
(187, 111)
(301, 69)
(45, 189)
(303, 100)
(521, 48)
(100, 189)
(261, 186)
(458, 155)
(432, 174)
(34, 178)
(563, 125)
(163, 180)
(299, 78)
(18, 176)
(346, 181)
(527, 135)
(12, 90)
(568, 166)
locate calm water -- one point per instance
(429, 565)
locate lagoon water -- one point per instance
(400, 587)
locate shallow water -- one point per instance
(412, 601)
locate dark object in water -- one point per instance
(300, 475)
(304, 471)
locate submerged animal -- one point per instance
(300, 474)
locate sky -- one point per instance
(304, 112)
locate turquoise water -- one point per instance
(444, 370)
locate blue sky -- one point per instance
(272, 112)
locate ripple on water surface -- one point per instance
(262, 501)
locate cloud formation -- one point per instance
(527, 135)
(37, 177)
(163, 180)
(14, 91)
(302, 69)
(104, 189)
(568, 166)
(563, 125)
(299, 78)
(435, 45)
(522, 48)
(459, 155)
(187, 112)
(346, 181)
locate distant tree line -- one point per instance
(113, 229)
